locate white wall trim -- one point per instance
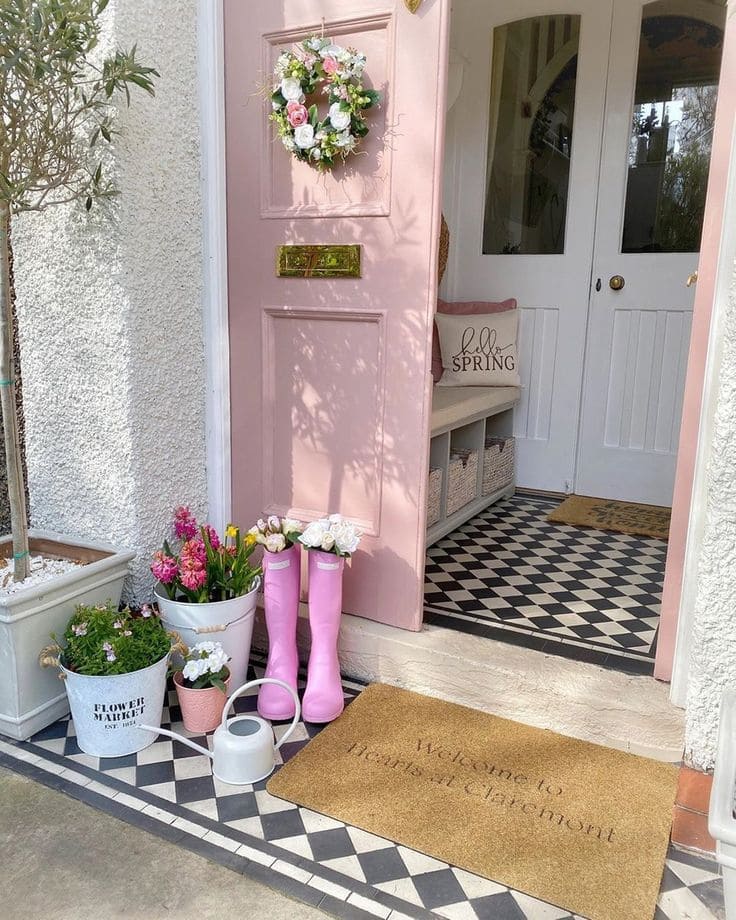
(699, 498)
(211, 74)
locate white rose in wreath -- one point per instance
(339, 119)
(291, 89)
(304, 136)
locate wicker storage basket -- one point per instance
(498, 464)
(462, 477)
(434, 494)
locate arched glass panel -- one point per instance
(530, 135)
(672, 129)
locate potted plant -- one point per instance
(208, 585)
(53, 155)
(114, 666)
(202, 684)
(281, 585)
(330, 541)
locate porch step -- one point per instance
(630, 713)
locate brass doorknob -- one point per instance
(616, 282)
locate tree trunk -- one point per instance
(13, 458)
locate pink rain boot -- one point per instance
(281, 581)
(323, 700)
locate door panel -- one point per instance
(663, 68)
(330, 377)
(534, 153)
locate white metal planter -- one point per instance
(31, 698)
(721, 821)
(228, 622)
(108, 710)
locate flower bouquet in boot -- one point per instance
(329, 541)
(202, 686)
(281, 582)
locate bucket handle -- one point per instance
(267, 680)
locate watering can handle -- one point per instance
(266, 680)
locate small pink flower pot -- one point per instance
(201, 710)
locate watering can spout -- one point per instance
(180, 738)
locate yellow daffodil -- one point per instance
(231, 531)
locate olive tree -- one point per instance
(58, 96)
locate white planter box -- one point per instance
(721, 821)
(32, 697)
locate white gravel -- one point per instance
(42, 569)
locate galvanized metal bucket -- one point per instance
(108, 710)
(228, 622)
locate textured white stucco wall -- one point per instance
(713, 639)
(110, 316)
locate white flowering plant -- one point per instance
(333, 534)
(205, 666)
(276, 534)
(317, 66)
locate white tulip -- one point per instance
(275, 542)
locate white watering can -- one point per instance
(243, 747)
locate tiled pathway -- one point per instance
(511, 575)
(168, 789)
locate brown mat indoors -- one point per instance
(604, 514)
(576, 824)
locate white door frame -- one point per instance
(211, 74)
(210, 26)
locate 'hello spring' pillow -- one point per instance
(480, 350)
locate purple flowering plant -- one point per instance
(204, 567)
(102, 640)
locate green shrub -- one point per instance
(102, 640)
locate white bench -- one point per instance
(463, 417)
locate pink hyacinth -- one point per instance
(193, 574)
(185, 525)
(213, 536)
(164, 567)
(193, 550)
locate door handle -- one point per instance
(692, 279)
(616, 282)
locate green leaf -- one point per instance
(313, 116)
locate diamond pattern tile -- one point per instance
(510, 567)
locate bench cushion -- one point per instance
(453, 406)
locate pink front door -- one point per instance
(330, 384)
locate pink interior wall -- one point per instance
(705, 290)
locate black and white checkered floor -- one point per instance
(168, 789)
(511, 575)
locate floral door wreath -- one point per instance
(317, 65)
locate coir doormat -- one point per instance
(581, 826)
(604, 514)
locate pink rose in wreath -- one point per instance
(330, 65)
(296, 114)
